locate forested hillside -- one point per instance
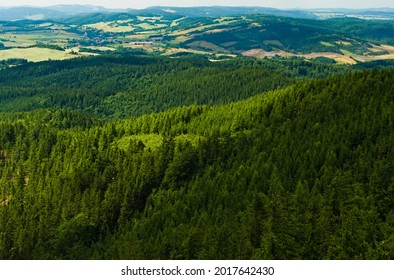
(120, 86)
(298, 172)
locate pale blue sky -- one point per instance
(306, 4)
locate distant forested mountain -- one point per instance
(19, 13)
(50, 12)
(58, 11)
(218, 11)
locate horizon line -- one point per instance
(198, 6)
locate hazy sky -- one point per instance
(264, 3)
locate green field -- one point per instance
(57, 37)
(206, 46)
(327, 44)
(254, 35)
(176, 21)
(115, 26)
(151, 26)
(35, 54)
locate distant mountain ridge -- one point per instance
(62, 11)
(51, 12)
(19, 13)
(216, 11)
(78, 9)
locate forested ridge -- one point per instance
(302, 171)
(121, 86)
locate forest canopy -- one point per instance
(134, 157)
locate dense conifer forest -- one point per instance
(123, 86)
(135, 157)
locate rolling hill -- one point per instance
(339, 40)
(196, 134)
(52, 12)
(131, 85)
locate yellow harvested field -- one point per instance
(35, 54)
(216, 31)
(263, 53)
(327, 44)
(382, 57)
(339, 58)
(344, 60)
(375, 57)
(343, 43)
(376, 48)
(176, 21)
(351, 58)
(387, 48)
(180, 50)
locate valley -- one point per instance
(196, 134)
(341, 40)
